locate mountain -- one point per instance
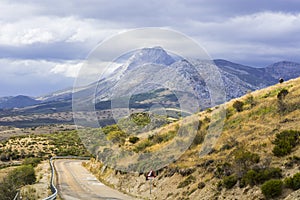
(156, 65)
(161, 78)
(19, 101)
(283, 69)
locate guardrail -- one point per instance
(17, 196)
(52, 186)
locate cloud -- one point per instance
(31, 77)
(249, 38)
(68, 69)
(42, 29)
(54, 37)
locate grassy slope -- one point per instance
(253, 129)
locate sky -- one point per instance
(44, 43)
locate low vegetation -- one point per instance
(20, 176)
(190, 179)
(285, 142)
(36, 147)
(293, 182)
(28, 151)
(258, 147)
(272, 188)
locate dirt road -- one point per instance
(75, 182)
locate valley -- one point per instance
(168, 130)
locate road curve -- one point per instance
(75, 182)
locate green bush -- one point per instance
(229, 181)
(272, 188)
(293, 182)
(238, 105)
(285, 142)
(31, 161)
(142, 145)
(250, 178)
(20, 176)
(296, 181)
(255, 177)
(117, 136)
(23, 175)
(140, 119)
(133, 139)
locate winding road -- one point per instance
(75, 182)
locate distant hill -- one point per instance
(19, 101)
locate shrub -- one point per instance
(31, 161)
(15, 179)
(282, 93)
(285, 141)
(245, 159)
(199, 138)
(271, 173)
(272, 188)
(250, 178)
(140, 119)
(229, 181)
(164, 137)
(250, 101)
(293, 182)
(190, 179)
(282, 148)
(254, 177)
(116, 136)
(142, 145)
(238, 105)
(23, 175)
(133, 139)
(296, 181)
(201, 185)
(288, 182)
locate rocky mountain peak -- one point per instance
(155, 55)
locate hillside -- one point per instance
(259, 148)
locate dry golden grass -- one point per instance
(253, 129)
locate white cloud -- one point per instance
(47, 29)
(30, 77)
(68, 69)
(264, 37)
(261, 25)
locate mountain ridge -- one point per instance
(238, 79)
